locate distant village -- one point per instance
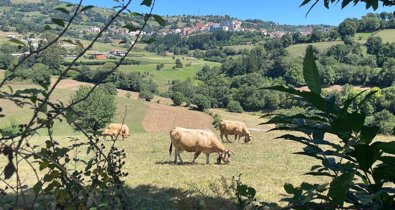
(234, 25)
(198, 27)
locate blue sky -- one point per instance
(280, 11)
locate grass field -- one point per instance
(155, 183)
(299, 50)
(387, 35)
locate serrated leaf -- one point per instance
(69, 5)
(310, 71)
(58, 21)
(366, 156)
(87, 7)
(160, 20)
(147, 3)
(64, 10)
(18, 42)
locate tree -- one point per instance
(234, 106)
(178, 63)
(374, 45)
(177, 98)
(95, 111)
(201, 102)
(41, 74)
(146, 95)
(347, 28)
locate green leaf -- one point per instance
(338, 189)
(58, 21)
(64, 10)
(384, 173)
(366, 156)
(68, 41)
(387, 147)
(310, 71)
(314, 99)
(147, 3)
(18, 42)
(87, 7)
(37, 187)
(289, 188)
(368, 133)
(345, 3)
(9, 170)
(160, 20)
(304, 3)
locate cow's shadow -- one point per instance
(185, 163)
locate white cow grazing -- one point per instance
(116, 129)
(198, 141)
(239, 129)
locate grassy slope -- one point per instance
(298, 50)
(387, 35)
(134, 116)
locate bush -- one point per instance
(177, 98)
(146, 95)
(234, 106)
(179, 63)
(201, 102)
(385, 120)
(110, 88)
(128, 95)
(160, 66)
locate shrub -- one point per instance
(128, 95)
(385, 120)
(177, 98)
(201, 102)
(234, 106)
(146, 95)
(178, 63)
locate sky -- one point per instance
(279, 11)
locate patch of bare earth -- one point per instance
(162, 118)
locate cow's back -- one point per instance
(185, 139)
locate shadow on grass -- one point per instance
(146, 197)
(172, 163)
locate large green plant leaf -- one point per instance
(310, 71)
(339, 188)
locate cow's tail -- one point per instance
(171, 148)
(171, 142)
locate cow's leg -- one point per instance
(226, 136)
(236, 139)
(222, 137)
(179, 156)
(207, 158)
(197, 153)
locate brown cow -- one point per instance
(198, 141)
(239, 129)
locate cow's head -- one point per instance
(248, 139)
(224, 156)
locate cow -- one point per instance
(198, 141)
(115, 130)
(239, 129)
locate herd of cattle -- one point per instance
(194, 140)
